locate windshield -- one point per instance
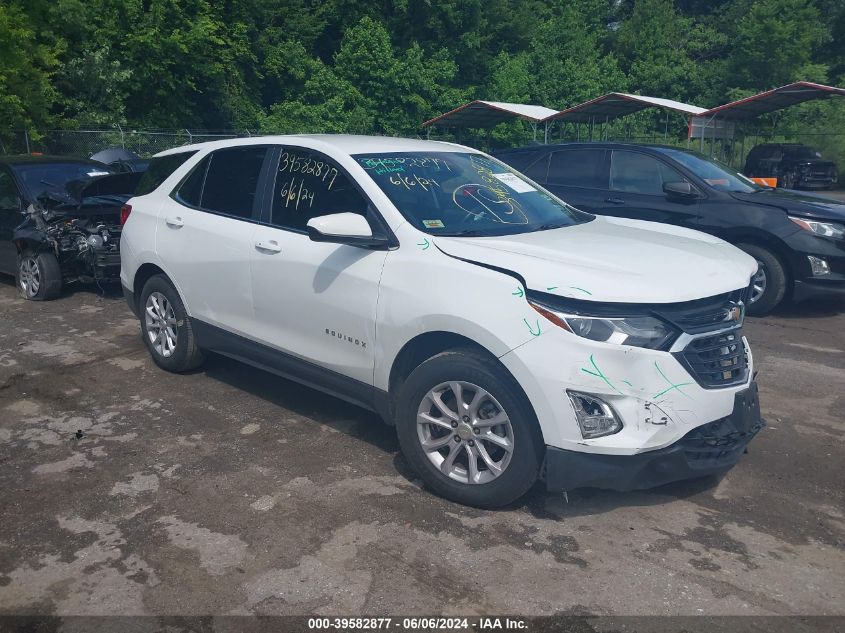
(46, 178)
(451, 193)
(716, 174)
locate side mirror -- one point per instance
(680, 189)
(345, 228)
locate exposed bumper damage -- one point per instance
(82, 229)
(711, 448)
(87, 248)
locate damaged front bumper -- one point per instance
(712, 448)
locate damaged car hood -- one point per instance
(101, 196)
(614, 260)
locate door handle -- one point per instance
(175, 222)
(270, 246)
(615, 200)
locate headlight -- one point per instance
(638, 331)
(825, 229)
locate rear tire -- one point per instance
(38, 276)
(495, 429)
(166, 327)
(771, 276)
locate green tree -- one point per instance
(774, 44)
(666, 54)
(26, 66)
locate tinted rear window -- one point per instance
(517, 160)
(190, 191)
(578, 168)
(231, 180)
(159, 170)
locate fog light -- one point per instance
(818, 266)
(595, 417)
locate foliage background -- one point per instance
(384, 66)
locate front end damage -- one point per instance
(81, 229)
(87, 249)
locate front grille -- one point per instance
(702, 315)
(718, 360)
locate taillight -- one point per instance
(125, 210)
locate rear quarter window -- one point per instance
(159, 170)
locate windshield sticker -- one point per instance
(91, 174)
(433, 224)
(514, 182)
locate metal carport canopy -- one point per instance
(617, 104)
(489, 113)
(772, 100)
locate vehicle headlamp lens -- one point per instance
(825, 229)
(639, 331)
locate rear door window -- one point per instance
(640, 173)
(539, 170)
(159, 170)
(226, 182)
(578, 168)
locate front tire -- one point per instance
(38, 276)
(166, 327)
(468, 430)
(769, 284)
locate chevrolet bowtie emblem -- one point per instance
(734, 313)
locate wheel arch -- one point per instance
(143, 274)
(767, 241)
(428, 344)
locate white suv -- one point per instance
(506, 335)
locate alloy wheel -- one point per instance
(160, 322)
(465, 432)
(30, 276)
(758, 283)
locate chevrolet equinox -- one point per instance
(508, 336)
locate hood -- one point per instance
(114, 184)
(91, 196)
(796, 203)
(614, 260)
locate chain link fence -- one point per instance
(84, 143)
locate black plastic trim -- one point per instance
(712, 448)
(216, 339)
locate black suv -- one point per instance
(797, 240)
(795, 166)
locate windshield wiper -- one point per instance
(547, 227)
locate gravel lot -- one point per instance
(230, 491)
